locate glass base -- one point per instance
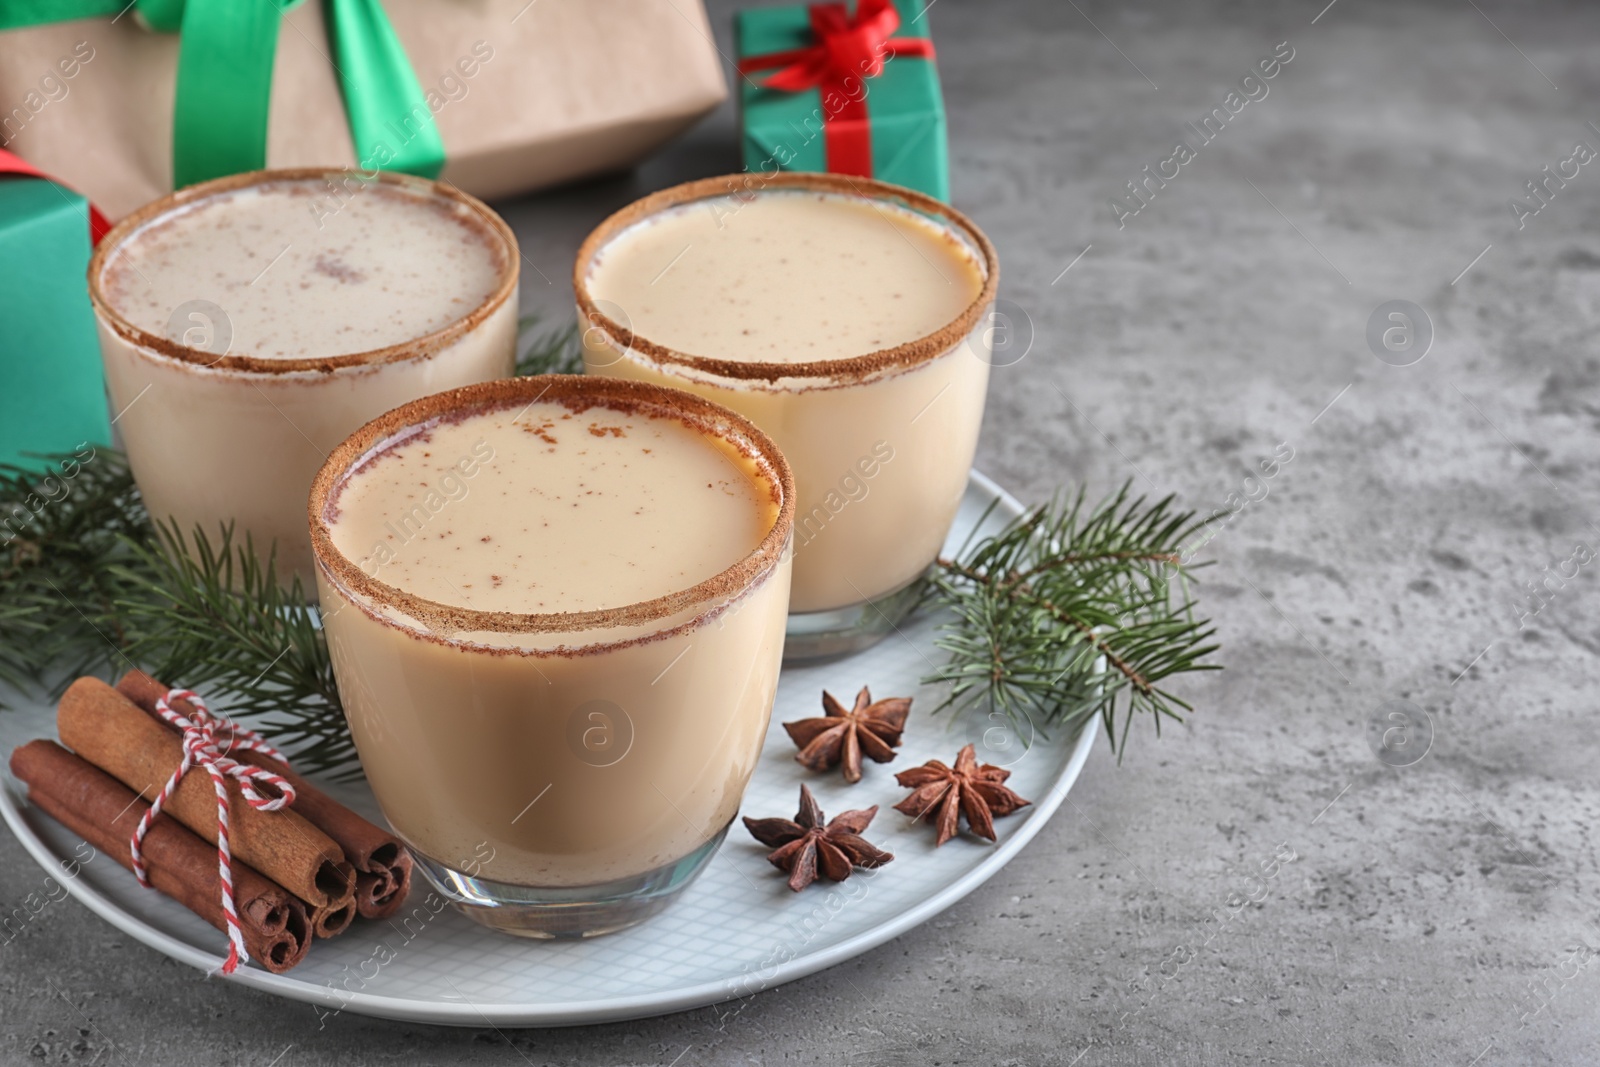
(567, 912)
(842, 631)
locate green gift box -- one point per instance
(824, 89)
(52, 392)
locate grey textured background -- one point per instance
(1440, 913)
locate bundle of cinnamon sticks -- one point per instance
(301, 872)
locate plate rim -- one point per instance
(463, 1012)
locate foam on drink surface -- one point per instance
(302, 274)
(551, 508)
(786, 277)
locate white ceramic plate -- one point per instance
(737, 931)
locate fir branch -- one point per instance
(62, 524)
(1070, 612)
(218, 618)
(89, 586)
(554, 351)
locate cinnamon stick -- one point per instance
(383, 866)
(116, 735)
(334, 917)
(104, 812)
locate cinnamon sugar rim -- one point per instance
(491, 225)
(615, 393)
(849, 368)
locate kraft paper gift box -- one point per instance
(524, 95)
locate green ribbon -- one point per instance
(224, 91)
(388, 113)
(219, 114)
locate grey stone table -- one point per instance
(1438, 912)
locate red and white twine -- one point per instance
(207, 738)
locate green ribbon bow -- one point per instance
(224, 92)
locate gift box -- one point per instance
(826, 89)
(513, 95)
(52, 394)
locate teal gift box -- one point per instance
(831, 117)
(52, 390)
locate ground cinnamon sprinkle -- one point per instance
(542, 432)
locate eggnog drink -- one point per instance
(556, 610)
(249, 324)
(847, 318)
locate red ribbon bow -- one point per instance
(847, 47)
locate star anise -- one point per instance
(841, 736)
(941, 794)
(808, 846)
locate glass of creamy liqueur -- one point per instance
(556, 611)
(249, 324)
(847, 318)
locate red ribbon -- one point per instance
(12, 164)
(847, 46)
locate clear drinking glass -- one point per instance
(216, 433)
(881, 442)
(560, 774)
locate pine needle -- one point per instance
(1069, 612)
(61, 528)
(216, 618)
(553, 351)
